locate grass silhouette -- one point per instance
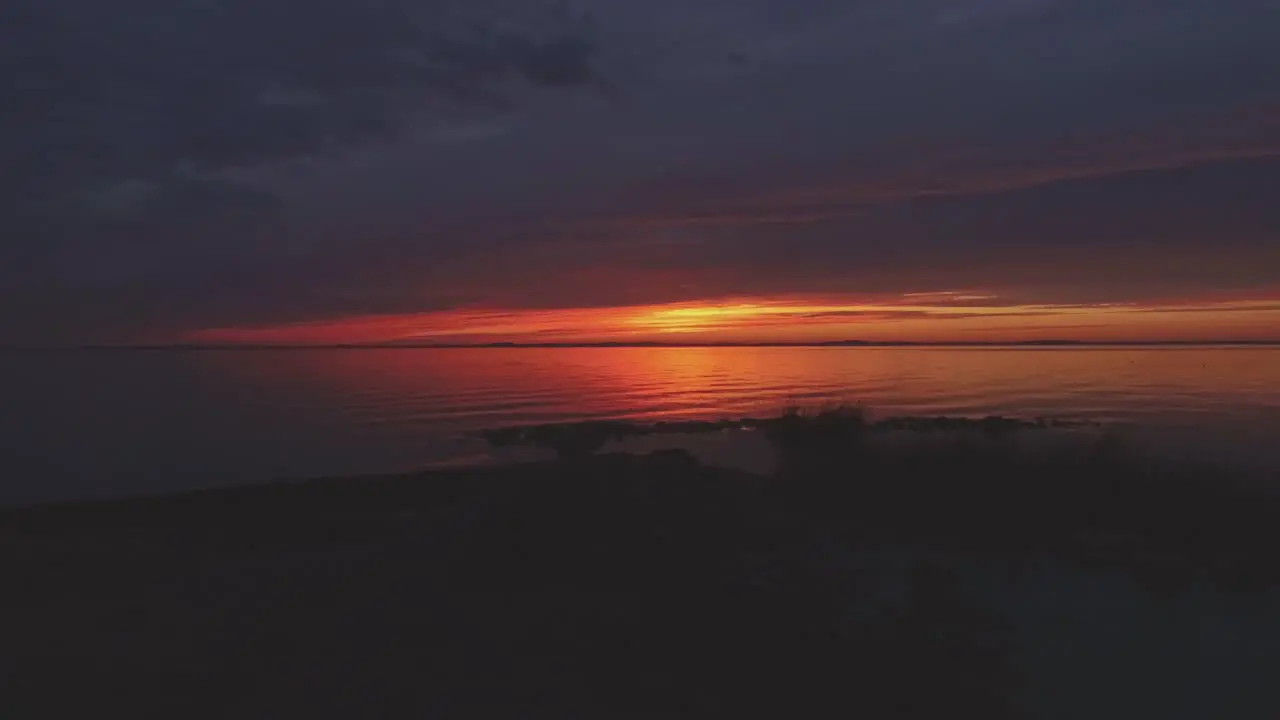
(1096, 502)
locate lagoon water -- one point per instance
(105, 423)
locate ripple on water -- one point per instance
(254, 416)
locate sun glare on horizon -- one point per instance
(922, 317)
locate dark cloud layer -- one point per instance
(183, 164)
(144, 87)
(126, 125)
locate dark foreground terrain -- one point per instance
(959, 578)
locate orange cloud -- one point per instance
(927, 317)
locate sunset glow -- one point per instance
(499, 172)
(918, 317)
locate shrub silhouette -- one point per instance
(831, 432)
(1097, 505)
(569, 441)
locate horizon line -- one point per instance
(653, 344)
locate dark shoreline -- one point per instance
(1114, 512)
(615, 585)
(377, 492)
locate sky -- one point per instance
(227, 171)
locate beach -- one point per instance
(625, 586)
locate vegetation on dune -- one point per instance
(776, 558)
(1094, 503)
(848, 583)
(797, 426)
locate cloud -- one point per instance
(197, 164)
(107, 97)
(148, 83)
(131, 129)
(800, 318)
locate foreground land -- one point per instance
(883, 580)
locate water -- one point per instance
(78, 424)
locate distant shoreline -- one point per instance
(550, 346)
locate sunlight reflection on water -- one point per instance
(110, 422)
